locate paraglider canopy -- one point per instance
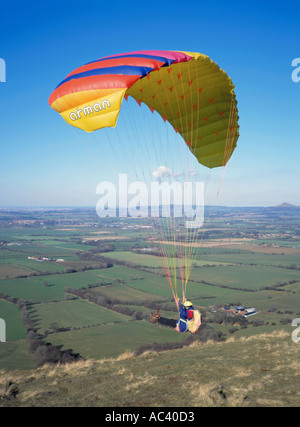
(192, 94)
(187, 89)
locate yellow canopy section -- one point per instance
(198, 99)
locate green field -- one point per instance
(248, 277)
(15, 355)
(126, 294)
(154, 261)
(33, 288)
(72, 314)
(134, 283)
(15, 329)
(249, 258)
(113, 339)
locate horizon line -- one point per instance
(37, 207)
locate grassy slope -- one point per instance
(256, 371)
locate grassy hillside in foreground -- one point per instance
(261, 370)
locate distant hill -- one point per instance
(286, 205)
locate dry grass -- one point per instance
(139, 383)
(260, 370)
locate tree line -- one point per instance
(42, 352)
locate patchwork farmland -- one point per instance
(87, 286)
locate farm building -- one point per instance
(238, 310)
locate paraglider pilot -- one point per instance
(186, 312)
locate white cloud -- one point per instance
(162, 172)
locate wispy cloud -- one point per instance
(163, 172)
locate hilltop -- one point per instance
(285, 205)
(261, 370)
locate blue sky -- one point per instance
(45, 163)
